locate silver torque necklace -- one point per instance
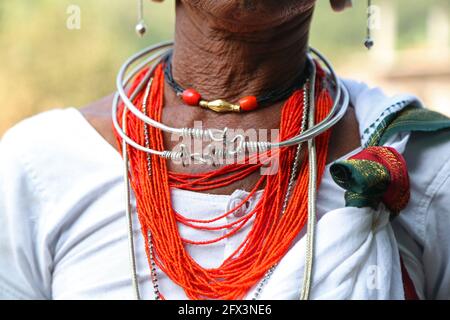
(152, 56)
(307, 120)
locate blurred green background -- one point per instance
(45, 65)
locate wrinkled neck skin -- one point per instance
(223, 59)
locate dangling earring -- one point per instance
(369, 41)
(141, 27)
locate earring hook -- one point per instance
(141, 27)
(369, 43)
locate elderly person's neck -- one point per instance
(223, 60)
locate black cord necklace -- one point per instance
(193, 98)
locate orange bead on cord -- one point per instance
(249, 103)
(191, 97)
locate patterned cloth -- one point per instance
(379, 174)
(376, 174)
(410, 119)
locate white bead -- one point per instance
(141, 28)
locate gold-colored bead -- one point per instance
(220, 106)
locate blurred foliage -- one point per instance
(45, 65)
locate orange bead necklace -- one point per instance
(272, 233)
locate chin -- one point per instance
(256, 13)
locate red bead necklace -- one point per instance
(192, 97)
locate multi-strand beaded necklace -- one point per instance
(279, 215)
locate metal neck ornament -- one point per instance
(157, 54)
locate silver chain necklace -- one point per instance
(308, 116)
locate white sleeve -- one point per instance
(436, 253)
(24, 272)
(423, 229)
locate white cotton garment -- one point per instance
(63, 231)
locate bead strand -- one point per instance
(291, 183)
(153, 271)
(192, 98)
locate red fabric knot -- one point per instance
(397, 195)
